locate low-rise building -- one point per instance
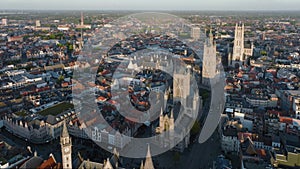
(221, 162)
(229, 140)
(296, 107)
(34, 130)
(289, 157)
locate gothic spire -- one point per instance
(210, 34)
(148, 162)
(211, 37)
(116, 153)
(107, 164)
(64, 132)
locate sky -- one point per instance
(150, 4)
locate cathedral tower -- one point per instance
(181, 85)
(238, 46)
(209, 60)
(66, 147)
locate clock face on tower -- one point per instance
(67, 149)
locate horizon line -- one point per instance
(179, 10)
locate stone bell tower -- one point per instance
(66, 148)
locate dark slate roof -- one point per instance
(33, 162)
(51, 119)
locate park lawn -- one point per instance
(21, 113)
(56, 109)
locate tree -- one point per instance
(60, 79)
(263, 52)
(52, 36)
(60, 45)
(100, 69)
(70, 47)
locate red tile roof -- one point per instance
(286, 120)
(50, 164)
(243, 136)
(261, 152)
(274, 112)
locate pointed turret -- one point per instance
(65, 132)
(142, 166)
(166, 96)
(115, 159)
(161, 121)
(169, 90)
(148, 162)
(165, 103)
(188, 71)
(116, 153)
(157, 64)
(80, 157)
(171, 124)
(107, 165)
(210, 39)
(211, 36)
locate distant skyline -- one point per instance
(225, 5)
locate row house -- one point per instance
(34, 131)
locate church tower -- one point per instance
(238, 46)
(66, 147)
(182, 85)
(82, 19)
(209, 60)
